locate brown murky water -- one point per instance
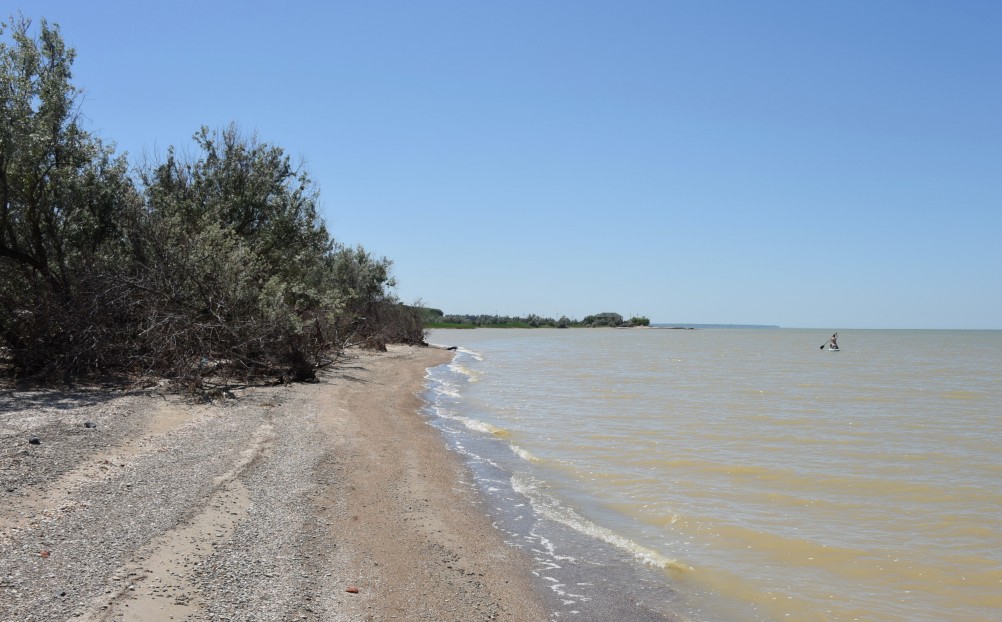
(770, 479)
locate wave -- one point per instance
(476, 355)
(473, 424)
(549, 507)
(471, 375)
(447, 390)
(524, 454)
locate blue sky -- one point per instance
(806, 164)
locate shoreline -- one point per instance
(326, 501)
(586, 571)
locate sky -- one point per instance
(792, 163)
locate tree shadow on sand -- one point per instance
(14, 399)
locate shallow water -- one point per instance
(740, 474)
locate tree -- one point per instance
(365, 285)
(244, 270)
(62, 199)
(214, 265)
(234, 263)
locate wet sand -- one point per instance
(326, 501)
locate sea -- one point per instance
(737, 474)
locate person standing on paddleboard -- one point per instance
(833, 343)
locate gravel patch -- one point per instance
(326, 501)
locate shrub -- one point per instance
(217, 265)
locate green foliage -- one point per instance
(63, 199)
(603, 319)
(218, 264)
(448, 325)
(531, 321)
(254, 278)
(233, 258)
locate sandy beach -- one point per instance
(325, 501)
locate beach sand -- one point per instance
(325, 501)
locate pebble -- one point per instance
(251, 560)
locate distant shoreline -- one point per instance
(665, 326)
(711, 326)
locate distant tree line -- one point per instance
(435, 318)
(186, 268)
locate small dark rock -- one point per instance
(453, 348)
(34, 440)
(90, 424)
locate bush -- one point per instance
(218, 265)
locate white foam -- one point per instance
(475, 355)
(480, 426)
(523, 454)
(444, 389)
(471, 375)
(550, 508)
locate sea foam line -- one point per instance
(459, 350)
(524, 454)
(471, 375)
(479, 426)
(548, 507)
(475, 355)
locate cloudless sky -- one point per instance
(806, 164)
